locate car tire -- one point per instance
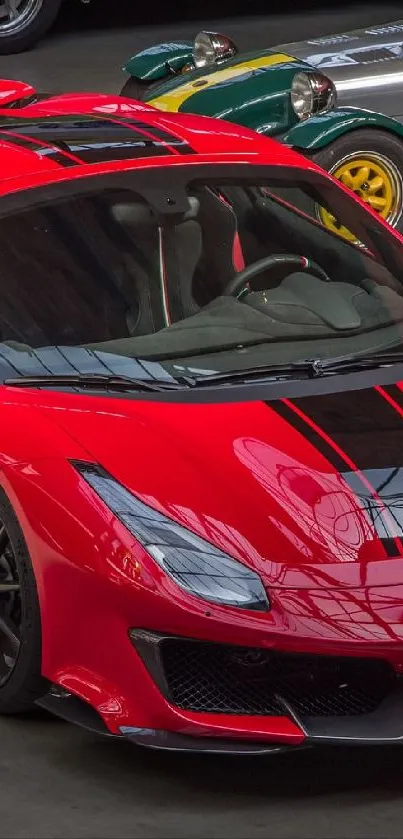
(384, 154)
(21, 682)
(33, 20)
(137, 89)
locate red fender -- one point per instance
(12, 91)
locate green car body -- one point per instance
(249, 98)
(258, 99)
(256, 90)
(157, 62)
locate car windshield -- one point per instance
(204, 269)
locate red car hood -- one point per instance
(309, 491)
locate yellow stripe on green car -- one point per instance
(173, 99)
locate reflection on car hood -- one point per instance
(364, 64)
(366, 46)
(307, 491)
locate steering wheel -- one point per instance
(291, 262)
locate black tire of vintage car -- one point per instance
(370, 163)
(23, 22)
(136, 89)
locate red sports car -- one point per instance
(201, 424)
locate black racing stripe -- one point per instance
(362, 423)
(390, 546)
(23, 142)
(394, 392)
(12, 122)
(297, 422)
(90, 140)
(364, 497)
(29, 144)
(95, 139)
(64, 128)
(367, 432)
(171, 139)
(134, 147)
(57, 155)
(360, 489)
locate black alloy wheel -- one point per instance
(10, 607)
(21, 680)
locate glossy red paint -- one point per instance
(207, 137)
(336, 591)
(256, 488)
(214, 140)
(13, 91)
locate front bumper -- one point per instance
(251, 701)
(204, 696)
(379, 728)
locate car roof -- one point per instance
(66, 132)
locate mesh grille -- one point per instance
(217, 678)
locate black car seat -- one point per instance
(181, 246)
(218, 264)
(138, 233)
(197, 255)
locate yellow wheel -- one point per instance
(375, 179)
(370, 162)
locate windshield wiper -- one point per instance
(251, 374)
(311, 368)
(347, 364)
(94, 381)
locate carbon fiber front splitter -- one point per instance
(381, 727)
(384, 726)
(174, 742)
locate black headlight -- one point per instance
(194, 564)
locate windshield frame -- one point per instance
(165, 189)
(150, 182)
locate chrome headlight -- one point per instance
(194, 564)
(312, 93)
(211, 47)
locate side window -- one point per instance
(309, 206)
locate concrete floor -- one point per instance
(57, 781)
(78, 56)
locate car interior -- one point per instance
(102, 271)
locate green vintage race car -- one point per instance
(283, 92)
